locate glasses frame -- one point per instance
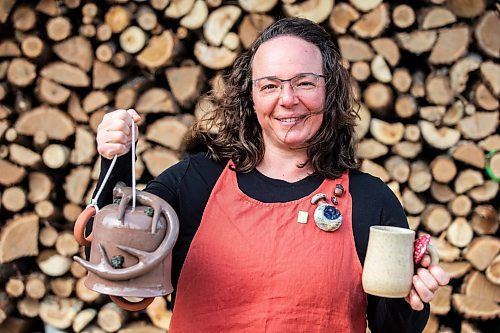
(254, 82)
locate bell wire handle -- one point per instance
(133, 166)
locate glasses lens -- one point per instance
(268, 85)
(305, 82)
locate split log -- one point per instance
(475, 307)
(158, 313)
(468, 179)
(78, 271)
(375, 170)
(483, 98)
(418, 41)
(19, 238)
(460, 233)
(111, 317)
(436, 17)
(71, 211)
(465, 8)
(174, 127)
(66, 244)
(253, 6)
(476, 284)
(84, 151)
(486, 34)
(442, 138)
(354, 50)
(493, 271)
(342, 16)
(5, 8)
(75, 109)
(484, 192)
(469, 153)
(158, 159)
(40, 186)
(178, 8)
(485, 220)
(219, 22)
(371, 149)
(51, 92)
(380, 70)
(76, 51)
(126, 96)
(160, 51)
(23, 156)
(403, 16)
(407, 149)
(365, 5)
(214, 57)
(398, 168)
(76, 184)
(156, 100)
(447, 252)
(457, 269)
(104, 74)
(314, 10)
(83, 318)
(196, 17)
(53, 264)
(372, 24)
(85, 294)
(185, 83)
(387, 133)
(489, 73)
(59, 312)
(65, 74)
(459, 72)
(9, 48)
(251, 26)
(95, 99)
(481, 251)
(412, 203)
(438, 89)
(452, 43)
(117, 18)
(441, 303)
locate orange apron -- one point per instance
(252, 267)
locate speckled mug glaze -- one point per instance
(388, 267)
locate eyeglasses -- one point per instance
(302, 84)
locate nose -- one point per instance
(288, 97)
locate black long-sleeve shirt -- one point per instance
(187, 185)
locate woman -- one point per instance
(251, 256)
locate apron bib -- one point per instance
(252, 267)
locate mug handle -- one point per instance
(421, 246)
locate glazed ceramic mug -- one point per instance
(389, 262)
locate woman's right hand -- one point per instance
(114, 134)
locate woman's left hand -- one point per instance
(425, 284)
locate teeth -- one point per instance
(289, 120)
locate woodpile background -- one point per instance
(426, 72)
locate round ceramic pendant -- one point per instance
(327, 217)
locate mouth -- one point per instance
(290, 120)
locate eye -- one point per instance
(268, 86)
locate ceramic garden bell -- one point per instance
(131, 248)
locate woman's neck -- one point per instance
(284, 165)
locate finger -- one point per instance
(428, 279)
(116, 137)
(135, 116)
(118, 114)
(422, 290)
(415, 301)
(441, 276)
(426, 261)
(109, 150)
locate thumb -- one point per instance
(135, 116)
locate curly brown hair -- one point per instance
(231, 130)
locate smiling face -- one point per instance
(290, 119)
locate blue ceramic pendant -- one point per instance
(327, 217)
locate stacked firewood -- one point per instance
(426, 73)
